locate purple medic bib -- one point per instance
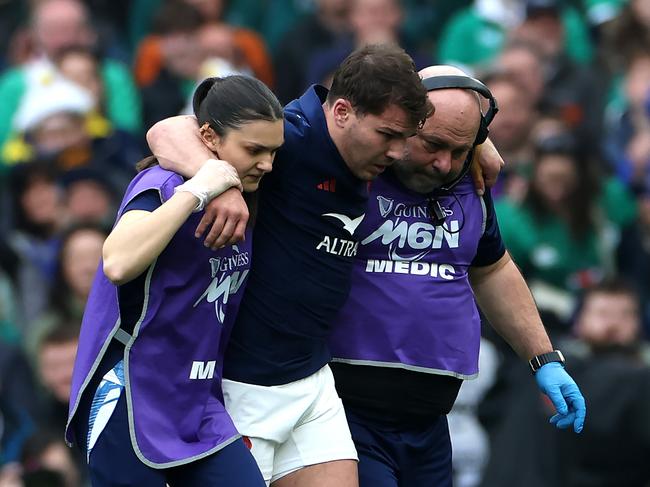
(411, 304)
(173, 359)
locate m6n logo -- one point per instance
(418, 235)
(225, 281)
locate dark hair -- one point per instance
(612, 286)
(625, 38)
(582, 200)
(43, 477)
(59, 298)
(31, 454)
(21, 177)
(228, 103)
(525, 45)
(64, 332)
(616, 286)
(496, 74)
(376, 76)
(146, 163)
(88, 174)
(232, 101)
(176, 16)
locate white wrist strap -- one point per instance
(204, 191)
(201, 195)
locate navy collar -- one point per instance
(311, 105)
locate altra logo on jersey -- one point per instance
(341, 246)
(349, 225)
(227, 278)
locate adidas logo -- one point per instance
(329, 185)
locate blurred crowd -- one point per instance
(82, 81)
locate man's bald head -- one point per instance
(462, 102)
(438, 153)
(441, 70)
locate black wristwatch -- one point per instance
(542, 359)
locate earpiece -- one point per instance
(467, 83)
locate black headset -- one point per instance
(465, 83)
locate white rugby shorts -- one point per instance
(293, 425)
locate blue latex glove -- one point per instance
(562, 390)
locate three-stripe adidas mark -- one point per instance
(329, 185)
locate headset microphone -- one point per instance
(436, 211)
(466, 83)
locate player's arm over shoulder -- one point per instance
(176, 143)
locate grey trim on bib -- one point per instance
(129, 399)
(413, 368)
(484, 209)
(90, 375)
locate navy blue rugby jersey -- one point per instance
(303, 250)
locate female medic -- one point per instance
(146, 404)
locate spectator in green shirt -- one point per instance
(564, 234)
(476, 35)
